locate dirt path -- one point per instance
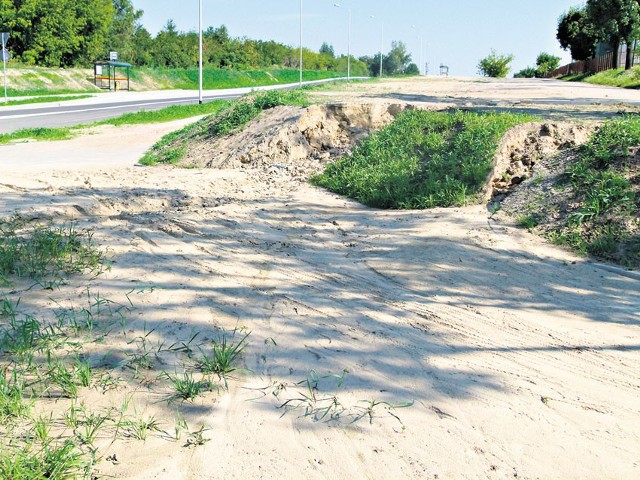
(521, 360)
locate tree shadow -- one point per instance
(338, 286)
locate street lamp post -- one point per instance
(301, 43)
(348, 43)
(200, 52)
(420, 37)
(381, 43)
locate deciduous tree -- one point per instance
(576, 33)
(616, 21)
(495, 65)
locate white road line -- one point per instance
(42, 114)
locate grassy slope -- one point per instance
(613, 78)
(42, 81)
(600, 213)
(422, 160)
(232, 116)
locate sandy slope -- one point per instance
(521, 360)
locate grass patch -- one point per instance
(55, 462)
(605, 178)
(168, 114)
(422, 160)
(44, 99)
(614, 78)
(592, 206)
(212, 79)
(232, 115)
(35, 251)
(39, 134)
(222, 356)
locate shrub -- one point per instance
(495, 65)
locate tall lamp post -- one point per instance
(301, 43)
(420, 37)
(381, 43)
(348, 43)
(200, 52)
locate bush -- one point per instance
(546, 64)
(495, 65)
(528, 72)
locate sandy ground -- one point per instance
(520, 359)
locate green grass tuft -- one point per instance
(36, 251)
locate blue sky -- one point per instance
(455, 32)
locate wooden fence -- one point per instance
(594, 65)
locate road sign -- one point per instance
(6, 55)
(113, 56)
(4, 37)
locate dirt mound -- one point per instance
(524, 146)
(293, 140)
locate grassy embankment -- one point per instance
(422, 160)
(234, 115)
(212, 79)
(613, 78)
(595, 208)
(43, 82)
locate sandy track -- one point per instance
(521, 360)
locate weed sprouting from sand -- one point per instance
(222, 356)
(53, 461)
(317, 397)
(186, 387)
(46, 253)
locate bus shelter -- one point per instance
(112, 75)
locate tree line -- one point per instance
(75, 33)
(609, 22)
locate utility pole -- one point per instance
(4, 37)
(200, 57)
(381, 47)
(381, 43)
(301, 43)
(337, 5)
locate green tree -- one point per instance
(57, 33)
(412, 69)
(546, 64)
(327, 49)
(168, 48)
(122, 33)
(616, 21)
(528, 72)
(397, 60)
(495, 65)
(576, 33)
(142, 47)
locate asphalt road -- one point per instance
(66, 114)
(103, 106)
